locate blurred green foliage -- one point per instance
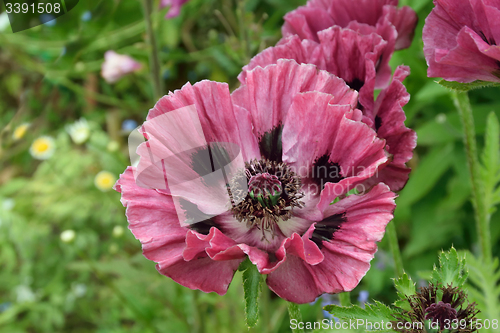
(102, 283)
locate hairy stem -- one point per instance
(392, 237)
(153, 56)
(462, 103)
(345, 298)
(294, 312)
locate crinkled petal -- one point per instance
(366, 217)
(488, 12)
(387, 117)
(204, 274)
(196, 142)
(306, 22)
(153, 220)
(302, 51)
(315, 129)
(355, 57)
(404, 20)
(346, 257)
(293, 281)
(269, 92)
(353, 54)
(459, 42)
(299, 246)
(220, 121)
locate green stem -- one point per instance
(462, 103)
(266, 310)
(345, 298)
(392, 237)
(294, 312)
(198, 322)
(153, 57)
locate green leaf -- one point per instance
(490, 169)
(376, 312)
(484, 286)
(452, 269)
(404, 285)
(423, 179)
(457, 86)
(252, 281)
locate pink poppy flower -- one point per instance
(117, 65)
(362, 61)
(460, 40)
(269, 160)
(380, 16)
(353, 57)
(175, 7)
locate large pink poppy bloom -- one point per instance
(461, 38)
(175, 7)
(396, 25)
(268, 162)
(354, 58)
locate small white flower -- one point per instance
(79, 131)
(25, 294)
(112, 146)
(79, 289)
(67, 236)
(117, 231)
(4, 21)
(104, 181)
(8, 204)
(43, 148)
(441, 118)
(117, 65)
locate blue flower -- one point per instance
(327, 299)
(48, 20)
(86, 16)
(363, 296)
(166, 74)
(129, 125)
(5, 306)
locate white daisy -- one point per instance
(104, 181)
(79, 131)
(43, 148)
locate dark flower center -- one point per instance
(355, 84)
(265, 188)
(439, 312)
(270, 144)
(325, 171)
(490, 41)
(325, 229)
(378, 122)
(264, 193)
